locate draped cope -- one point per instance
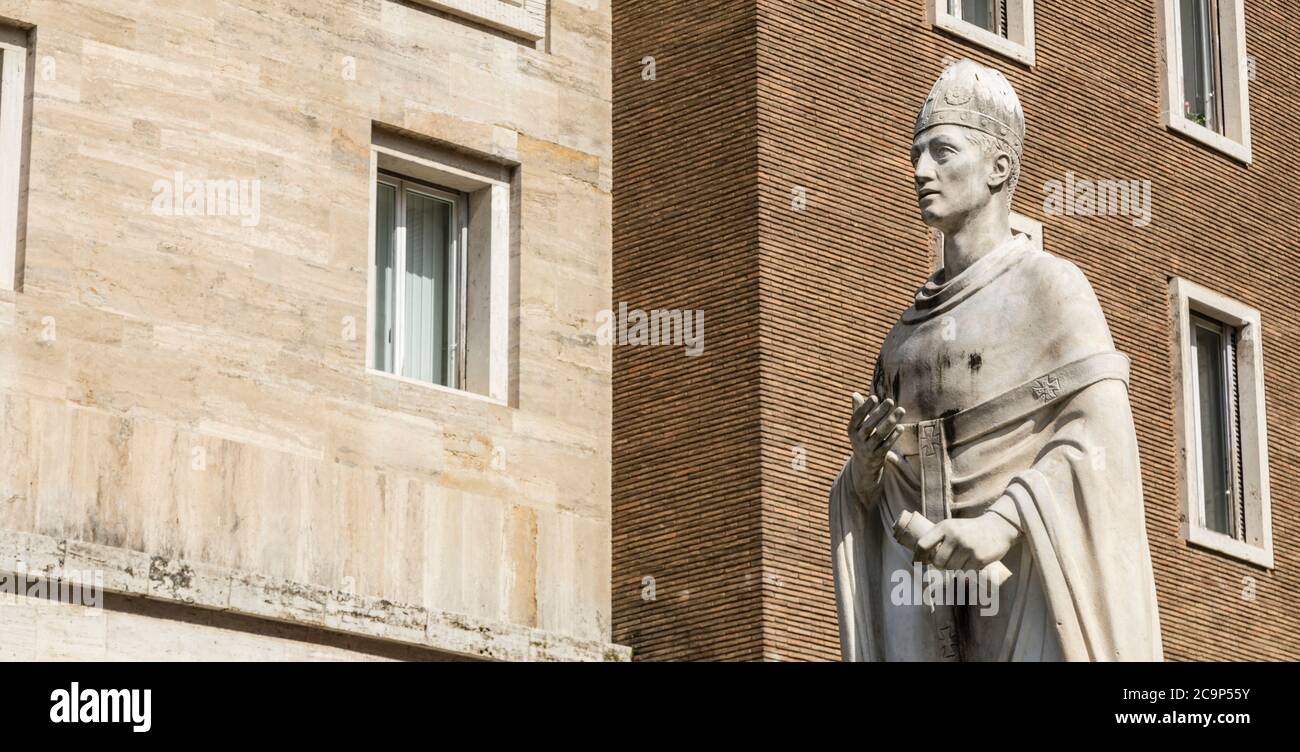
(1061, 451)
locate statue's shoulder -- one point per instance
(1070, 311)
(1053, 275)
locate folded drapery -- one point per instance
(1058, 455)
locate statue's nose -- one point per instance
(923, 173)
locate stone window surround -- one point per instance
(1188, 298)
(1235, 141)
(16, 80)
(487, 187)
(1018, 45)
(522, 18)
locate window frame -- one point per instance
(16, 83)
(1213, 68)
(1233, 71)
(1253, 542)
(1017, 45)
(490, 189)
(1232, 427)
(455, 360)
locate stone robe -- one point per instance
(1020, 403)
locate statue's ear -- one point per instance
(1001, 172)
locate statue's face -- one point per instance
(952, 175)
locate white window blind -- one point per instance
(418, 295)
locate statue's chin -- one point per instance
(931, 219)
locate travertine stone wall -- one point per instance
(187, 386)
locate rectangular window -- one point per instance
(1202, 67)
(419, 288)
(1221, 434)
(1214, 366)
(15, 138)
(1003, 26)
(440, 266)
(1206, 73)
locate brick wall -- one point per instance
(687, 430)
(838, 85)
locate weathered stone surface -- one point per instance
(243, 594)
(178, 388)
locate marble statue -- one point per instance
(997, 441)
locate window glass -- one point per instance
(982, 13)
(415, 305)
(428, 237)
(1200, 62)
(1216, 482)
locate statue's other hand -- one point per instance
(873, 429)
(966, 543)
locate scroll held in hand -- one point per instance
(911, 526)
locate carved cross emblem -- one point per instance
(1047, 388)
(929, 441)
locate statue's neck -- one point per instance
(981, 234)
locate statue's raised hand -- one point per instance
(873, 429)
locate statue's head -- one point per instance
(967, 145)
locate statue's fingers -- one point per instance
(883, 428)
(874, 417)
(878, 430)
(892, 439)
(881, 410)
(959, 560)
(930, 538)
(943, 553)
(861, 406)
